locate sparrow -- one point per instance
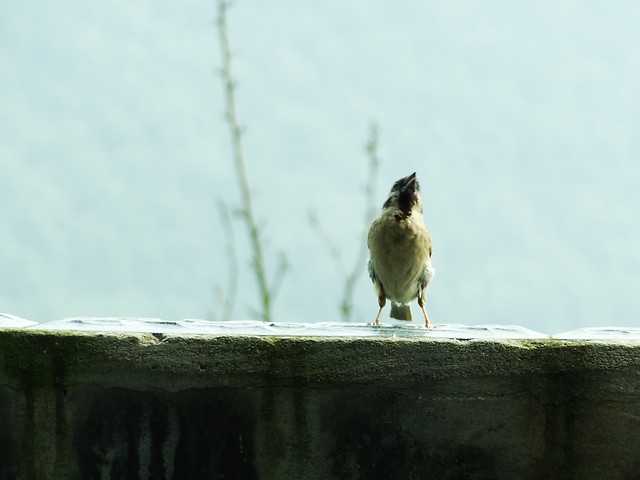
(400, 251)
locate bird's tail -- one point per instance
(400, 311)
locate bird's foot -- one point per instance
(377, 321)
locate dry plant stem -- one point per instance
(371, 148)
(370, 192)
(227, 299)
(246, 210)
(334, 251)
(351, 278)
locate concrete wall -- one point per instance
(157, 406)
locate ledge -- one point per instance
(357, 402)
(392, 329)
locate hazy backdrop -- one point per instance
(522, 121)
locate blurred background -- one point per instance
(521, 120)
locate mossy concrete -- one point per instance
(158, 406)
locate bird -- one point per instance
(400, 251)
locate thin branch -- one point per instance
(351, 278)
(236, 131)
(371, 148)
(283, 266)
(331, 247)
(227, 299)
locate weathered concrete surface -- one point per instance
(156, 406)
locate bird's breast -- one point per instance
(400, 253)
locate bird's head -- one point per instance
(405, 195)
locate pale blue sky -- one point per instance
(521, 120)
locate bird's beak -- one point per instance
(410, 183)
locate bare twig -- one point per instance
(283, 265)
(227, 299)
(351, 277)
(246, 210)
(334, 251)
(371, 148)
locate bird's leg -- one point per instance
(426, 319)
(421, 303)
(377, 322)
(382, 300)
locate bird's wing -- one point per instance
(429, 271)
(372, 272)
